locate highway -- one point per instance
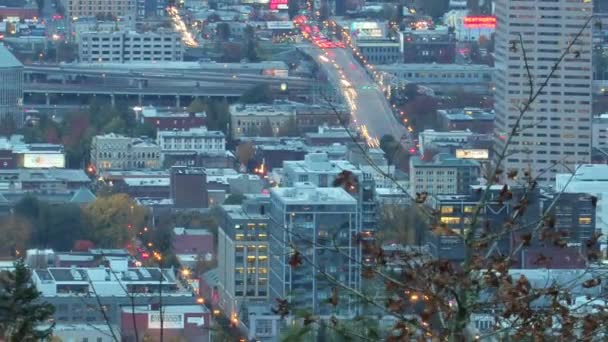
(371, 112)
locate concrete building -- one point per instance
(561, 115)
(442, 78)
(69, 290)
(319, 170)
(167, 120)
(179, 323)
(130, 46)
(380, 51)
(247, 120)
(308, 218)
(427, 46)
(243, 269)
(11, 87)
(467, 27)
(475, 120)
(188, 187)
(75, 9)
(198, 140)
(589, 179)
(599, 131)
(118, 152)
(428, 138)
(445, 175)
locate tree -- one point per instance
(245, 152)
(197, 106)
(266, 129)
(21, 312)
(250, 44)
(235, 198)
(390, 146)
(116, 125)
(218, 116)
(260, 93)
(15, 231)
(114, 220)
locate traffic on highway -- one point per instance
(371, 113)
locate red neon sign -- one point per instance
(278, 4)
(480, 22)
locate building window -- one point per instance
(447, 210)
(450, 220)
(584, 220)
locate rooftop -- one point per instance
(45, 175)
(190, 231)
(7, 59)
(154, 112)
(308, 193)
(319, 162)
(421, 67)
(147, 181)
(467, 114)
(442, 160)
(192, 132)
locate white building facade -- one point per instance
(198, 140)
(130, 46)
(561, 116)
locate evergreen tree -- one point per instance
(20, 310)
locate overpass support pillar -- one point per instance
(177, 101)
(139, 99)
(47, 98)
(112, 100)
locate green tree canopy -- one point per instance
(114, 220)
(197, 106)
(21, 312)
(235, 198)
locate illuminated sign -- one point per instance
(43, 160)
(472, 154)
(278, 4)
(488, 22)
(367, 29)
(170, 320)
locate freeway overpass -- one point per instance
(50, 84)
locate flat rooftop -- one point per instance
(421, 67)
(308, 193)
(45, 175)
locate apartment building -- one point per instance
(130, 46)
(90, 8)
(198, 140)
(312, 219)
(561, 115)
(243, 253)
(118, 152)
(445, 175)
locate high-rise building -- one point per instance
(11, 87)
(319, 225)
(556, 128)
(124, 9)
(243, 254)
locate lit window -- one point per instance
(469, 209)
(447, 210)
(239, 237)
(450, 220)
(584, 220)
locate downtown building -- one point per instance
(561, 115)
(314, 222)
(75, 9)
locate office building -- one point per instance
(11, 88)
(319, 170)
(427, 46)
(380, 50)
(243, 254)
(599, 131)
(118, 152)
(476, 120)
(310, 220)
(168, 120)
(443, 175)
(561, 115)
(198, 140)
(130, 46)
(75, 9)
(442, 78)
(188, 187)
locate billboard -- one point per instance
(472, 154)
(473, 22)
(278, 4)
(170, 320)
(43, 160)
(365, 29)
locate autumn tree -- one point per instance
(15, 231)
(21, 312)
(114, 220)
(245, 152)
